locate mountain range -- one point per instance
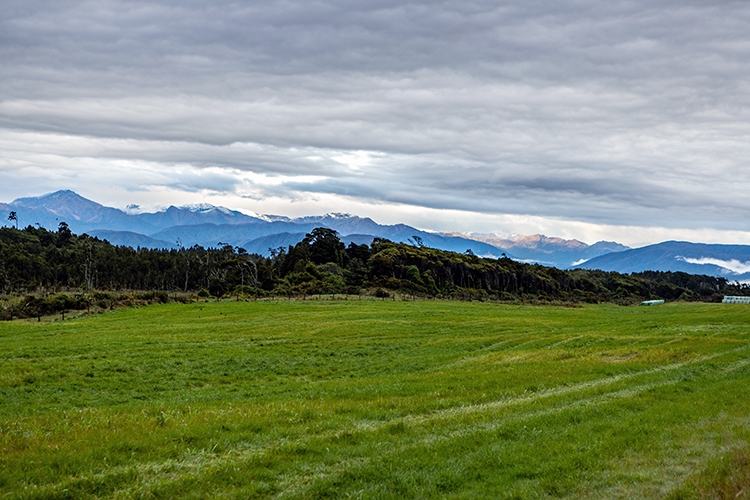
(553, 252)
(729, 261)
(212, 226)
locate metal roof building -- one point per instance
(652, 302)
(735, 299)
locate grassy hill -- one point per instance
(313, 399)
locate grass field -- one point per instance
(312, 399)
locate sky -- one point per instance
(626, 121)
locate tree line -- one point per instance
(37, 261)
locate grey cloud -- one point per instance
(592, 110)
(208, 182)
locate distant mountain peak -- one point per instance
(203, 208)
(540, 240)
(64, 204)
(539, 248)
(339, 215)
(330, 217)
(531, 241)
(56, 198)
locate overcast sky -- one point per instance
(588, 119)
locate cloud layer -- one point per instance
(619, 114)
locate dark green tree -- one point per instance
(64, 234)
(13, 216)
(325, 246)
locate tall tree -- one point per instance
(13, 216)
(64, 234)
(325, 246)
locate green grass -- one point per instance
(316, 399)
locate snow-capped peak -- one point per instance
(337, 215)
(321, 218)
(203, 208)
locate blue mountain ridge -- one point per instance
(210, 226)
(729, 261)
(131, 239)
(546, 250)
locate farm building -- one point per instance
(735, 299)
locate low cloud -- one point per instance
(733, 264)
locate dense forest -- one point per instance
(38, 262)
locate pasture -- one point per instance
(379, 399)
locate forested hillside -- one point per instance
(37, 261)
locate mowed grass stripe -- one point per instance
(273, 398)
(192, 465)
(439, 435)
